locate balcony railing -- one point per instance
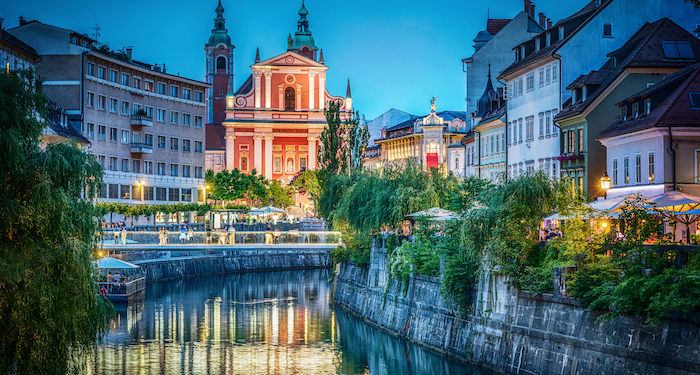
(141, 148)
(141, 120)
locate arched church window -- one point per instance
(289, 99)
(220, 63)
(244, 163)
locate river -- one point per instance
(254, 323)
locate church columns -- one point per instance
(280, 88)
(230, 149)
(258, 87)
(257, 157)
(268, 157)
(298, 100)
(312, 90)
(268, 90)
(322, 90)
(312, 152)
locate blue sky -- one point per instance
(397, 54)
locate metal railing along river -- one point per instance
(183, 238)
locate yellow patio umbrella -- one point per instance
(678, 207)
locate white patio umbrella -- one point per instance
(433, 213)
(265, 210)
(677, 207)
(112, 263)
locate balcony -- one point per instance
(141, 120)
(141, 148)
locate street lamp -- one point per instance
(605, 184)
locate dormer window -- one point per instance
(635, 109)
(517, 55)
(624, 113)
(561, 32)
(647, 106)
(522, 52)
(694, 100)
(548, 39)
(537, 44)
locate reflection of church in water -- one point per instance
(272, 123)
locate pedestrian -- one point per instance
(183, 234)
(123, 233)
(231, 235)
(209, 239)
(277, 235)
(190, 235)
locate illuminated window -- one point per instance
(289, 99)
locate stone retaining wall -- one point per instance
(235, 261)
(512, 331)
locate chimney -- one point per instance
(543, 20)
(549, 23)
(22, 21)
(129, 50)
(163, 67)
(527, 5)
(1, 19)
(532, 9)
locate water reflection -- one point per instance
(255, 323)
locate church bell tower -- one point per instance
(219, 52)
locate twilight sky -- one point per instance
(397, 54)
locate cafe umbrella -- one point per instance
(677, 207)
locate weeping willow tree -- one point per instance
(50, 312)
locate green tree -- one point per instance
(342, 143)
(50, 312)
(282, 196)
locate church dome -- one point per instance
(303, 11)
(482, 36)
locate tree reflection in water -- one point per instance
(253, 323)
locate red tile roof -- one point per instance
(493, 26)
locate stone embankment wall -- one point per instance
(235, 261)
(512, 331)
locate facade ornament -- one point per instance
(432, 104)
(290, 41)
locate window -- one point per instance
(554, 72)
(197, 172)
(647, 106)
(101, 72)
(161, 193)
(101, 102)
(148, 85)
(186, 117)
(508, 132)
(90, 69)
(614, 172)
(607, 30)
(90, 100)
(530, 82)
(101, 160)
(541, 125)
(136, 166)
(148, 167)
(198, 146)
(520, 87)
(125, 165)
(652, 177)
(148, 193)
(137, 83)
(174, 144)
(161, 88)
(101, 132)
(217, 160)
(125, 108)
(161, 141)
(548, 39)
(186, 195)
(503, 143)
(561, 32)
(125, 136)
(626, 169)
(638, 168)
(113, 75)
(580, 140)
(103, 191)
(90, 130)
(277, 165)
(541, 77)
(220, 63)
(198, 122)
(173, 170)
(161, 115)
(520, 131)
(491, 149)
(113, 105)
(548, 75)
(694, 100)
(554, 169)
(624, 113)
(529, 129)
(571, 141)
(113, 191)
(289, 99)
(149, 112)
(174, 91)
(186, 93)
(173, 194)
(677, 50)
(148, 139)
(174, 116)
(113, 134)
(186, 145)
(198, 96)
(635, 110)
(498, 142)
(161, 169)
(125, 79)
(186, 171)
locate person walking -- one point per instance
(231, 235)
(123, 233)
(183, 234)
(190, 235)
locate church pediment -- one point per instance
(290, 58)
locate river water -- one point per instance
(254, 323)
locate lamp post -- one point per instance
(605, 184)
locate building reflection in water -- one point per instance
(254, 323)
